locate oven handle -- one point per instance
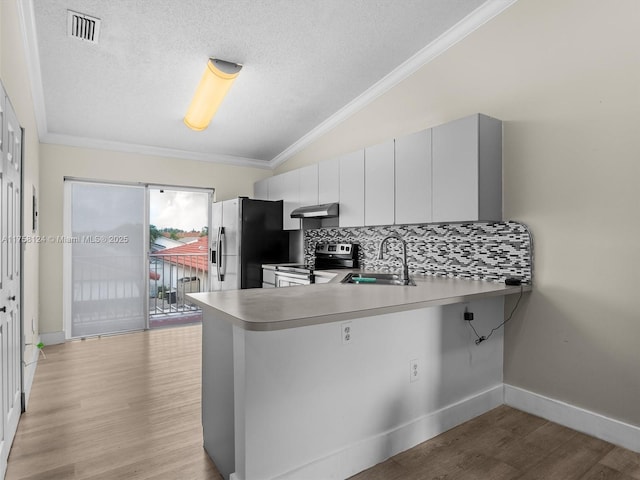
(302, 279)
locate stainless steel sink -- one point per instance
(375, 279)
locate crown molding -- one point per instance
(32, 59)
(466, 26)
(460, 30)
(83, 142)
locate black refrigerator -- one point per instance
(246, 233)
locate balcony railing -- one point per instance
(171, 278)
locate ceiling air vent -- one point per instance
(83, 27)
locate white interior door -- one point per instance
(10, 266)
(108, 277)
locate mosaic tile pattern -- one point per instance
(481, 251)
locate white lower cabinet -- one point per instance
(268, 277)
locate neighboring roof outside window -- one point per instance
(191, 255)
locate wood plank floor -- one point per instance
(128, 407)
(506, 444)
(119, 407)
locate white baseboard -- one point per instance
(52, 338)
(30, 372)
(364, 454)
(576, 418)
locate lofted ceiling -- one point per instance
(307, 65)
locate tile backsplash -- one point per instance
(479, 250)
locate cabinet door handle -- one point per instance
(13, 297)
(3, 309)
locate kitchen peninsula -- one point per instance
(323, 381)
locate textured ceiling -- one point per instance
(304, 61)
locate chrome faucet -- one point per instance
(404, 276)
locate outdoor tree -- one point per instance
(154, 233)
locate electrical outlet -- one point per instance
(346, 330)
(414, 370)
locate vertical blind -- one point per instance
(108, 281)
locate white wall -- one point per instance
(60, 161)
(13, 72)
(52, 163)
(564, 77)
(353, 404)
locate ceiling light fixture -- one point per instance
(214, 85)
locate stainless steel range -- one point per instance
(328, 256)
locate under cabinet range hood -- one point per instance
(326, 210)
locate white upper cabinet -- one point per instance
(352, 189)
(286, 187)
(290, 183)
(379, 185)
(455, 170)
(467, 170)
(413, 178)
(308, 185)
(261, 189)
(449, 173)
(276, 188)
(295, 188)
(329, 181)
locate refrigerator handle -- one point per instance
(221, 267)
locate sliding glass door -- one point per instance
(106, 243)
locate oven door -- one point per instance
(288, 279)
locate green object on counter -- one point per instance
(363, 279)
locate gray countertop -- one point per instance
(265, 309)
